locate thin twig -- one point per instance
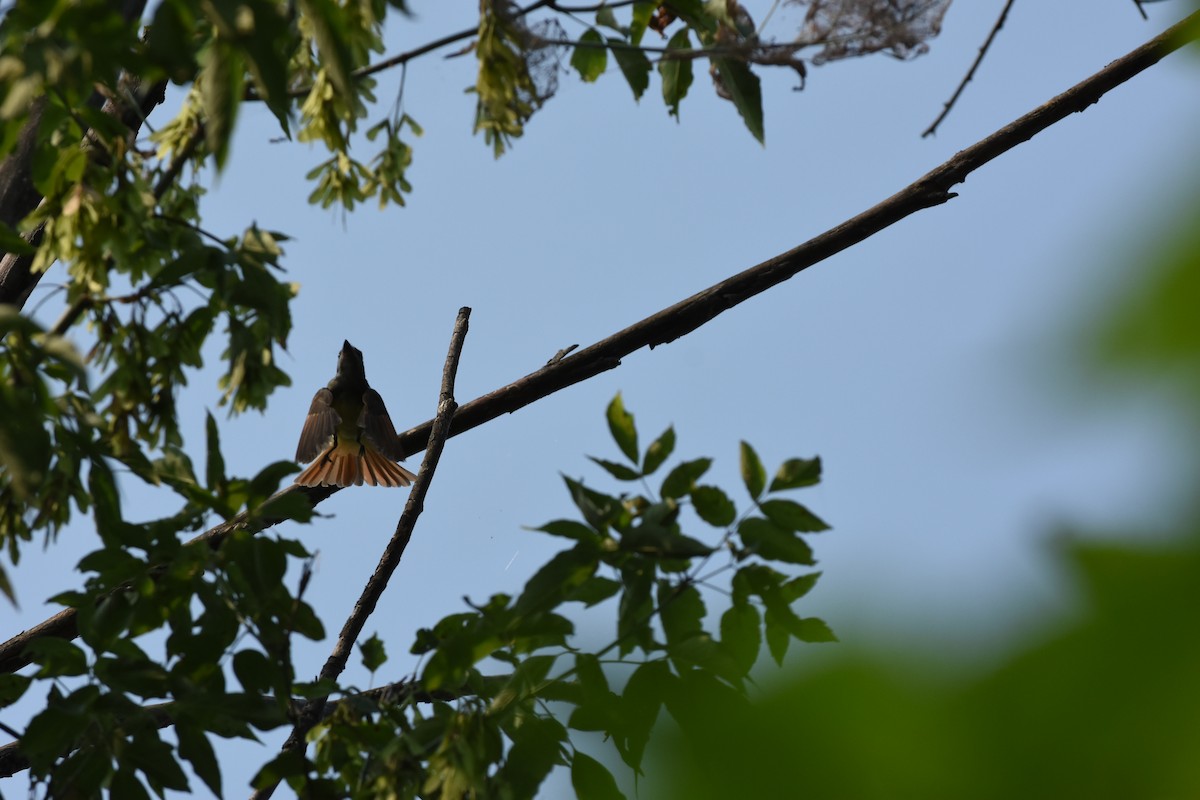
(1141, 10)
(336, 663)
(687, 315)
(949, 104)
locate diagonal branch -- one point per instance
(687, 315)
(311, 713)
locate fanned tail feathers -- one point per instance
(353, 466)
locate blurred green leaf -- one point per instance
(591, 780)
(618, 471)
(590, 57)
(373, 654)
(658, 451)
(635, 66)
(682, 479)
(773, 542)
(796, 473)
(753, 474)
(676, 72)
(620, 424)
(745, 92)
(792, 516)
(713, 506)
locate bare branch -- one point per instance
(949, 104)
(687, 315)
(336, 663)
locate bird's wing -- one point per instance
(319, 426)
(377, 426)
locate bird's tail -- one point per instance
(353, 466)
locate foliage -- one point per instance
(500, 688)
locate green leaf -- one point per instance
(799, 586)
(778, 637)
(682, 479)
(620, 424)
(644, 695)
(676, 72)
(634, 66)
(221, 82)
(373, 653)
(658, 451)
(590, 58)
(713, 506)
(195, 748)
(214, 472)
(811, 629)
(254, 671)
(618, 471)
(796, 473)
(570, 529)
(594, 590)
(682, 611)
(741, 635)
(642, 11)
(534, 752)
(774, 543)
(633, 615)
(607, 19)
(329, 27)
(792, 516)
(745, 91)
(591, 780)
(562, 574)
(753, 474)
(12, 687)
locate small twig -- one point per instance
(561, 354)
(1141, 10)
(182, 155)
(336, 663)
(949, 104)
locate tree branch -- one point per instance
(687, 315)
(949, 104)
(311, 713)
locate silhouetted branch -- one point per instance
(949, 104)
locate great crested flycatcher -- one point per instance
(348, 434)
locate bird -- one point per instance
(348, 434)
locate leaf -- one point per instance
(606, 18)
(713, 506)
(534, 752)
(633, 614)
(774, 543)
(811, 629)
(591, 780)
(550, 585)
(681, 610)
(658, 451)
(373, 653)
(642, 11)
(329, 27)
(594, 590)
(676, 72)
(796, 473)
(799, 586)
(570, 529)
(745, 91)
(778, 637)
(221, 81)
(741, 635)
(618, 471)
(753, 474)
(634, 66)
(792, 516)
(590, 58)
(254, 671)
(682, 479)
(620, 424)
(214, 472)
(12, 687)
(644, 695)
(195, 748)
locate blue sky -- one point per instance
(926, 366)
